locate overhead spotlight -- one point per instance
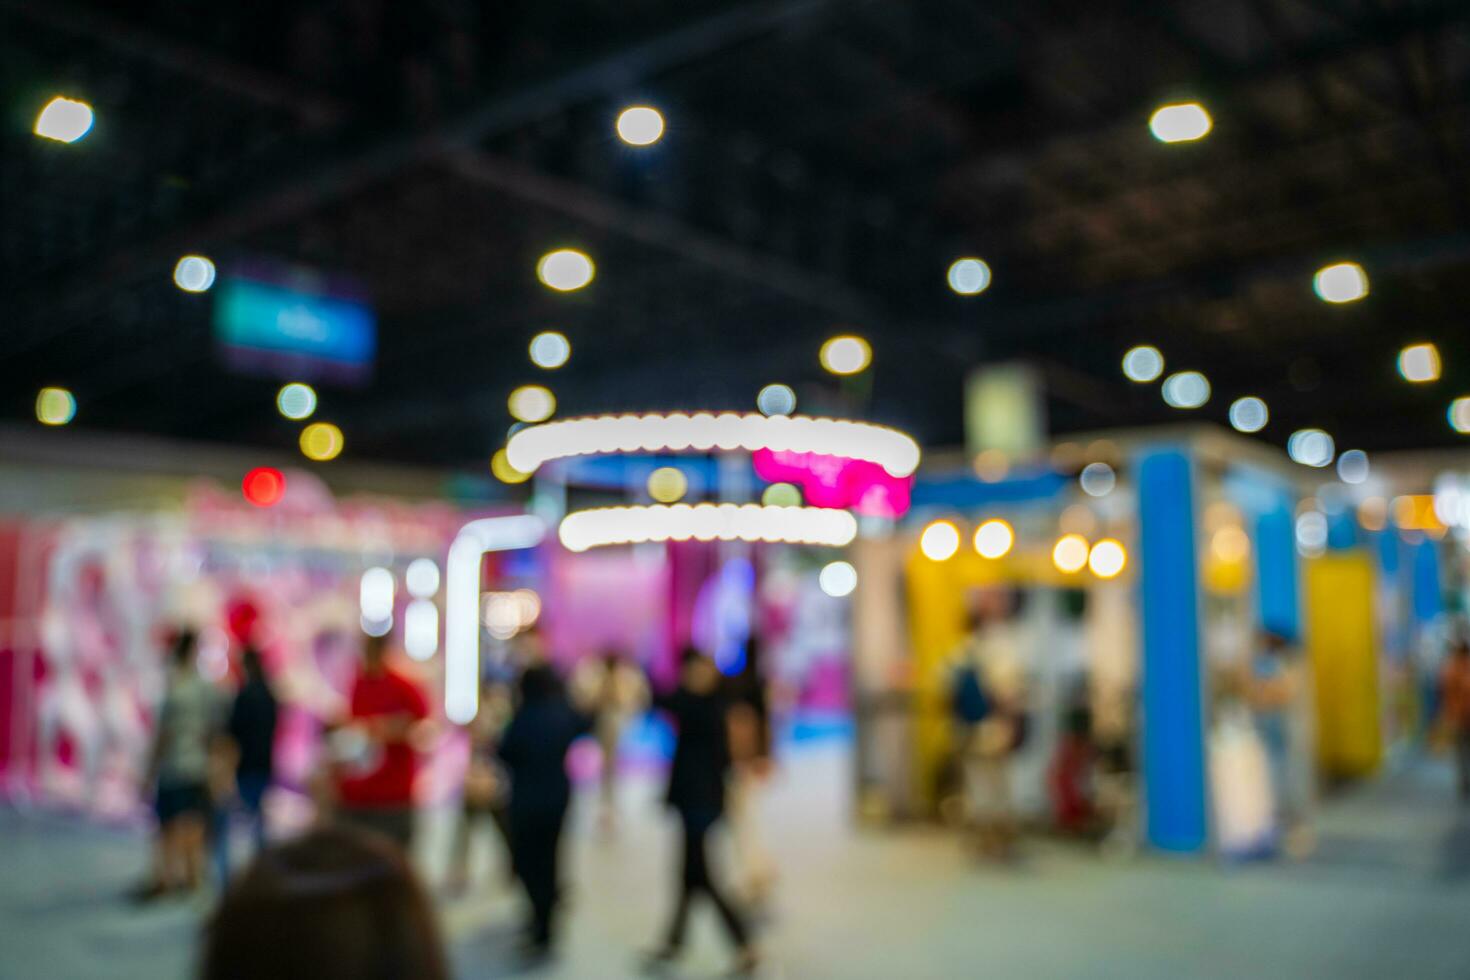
(776, 399)
(1459, 415)
(1186, 389)
(1341, 282)
(550, 350)
(1097, 479)
(194, 274)
(939, 541)
(504, 472)
(321, 441)
(1249, 414)
(296, 401)
(1107, 558)
(1311, 447)
(1180, 122)
(1070, 553)
(838, 579)
(994, 539)
(969, 276)
(1143, 364)
(532, 403)
(55, 406)
(846, 354)
(1352, 466)
(1419, 363)
(640, 125)
(565, 269)
(64, 120)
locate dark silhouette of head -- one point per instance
(374, 653)
(336, 904)
(539, 683)
(186, 646)
(252, 665)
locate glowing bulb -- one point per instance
(1311, 447)
(994, 538)
(296, 401)
(1143, 364)
(1187, 389)
(565, 269)
(1107, 558)
(1459, 415)
(55, 406)
(1230, 544)
(1419, 363)
(640, 125)
(1342, 282)
(420, 629)
(321, 441)
(263, 486)
(550, 350)
(1249, 414)
(504, 472)
(776, 399)
(422, 578)
(532, 403)
(838, 579)
(1311, 533)
(846, 355)
(1097, 479)
(194, 274)
(667, 484)
(969, 276)
(940, 541)
(781, 495)
(64, 120)
(1070, 553)
(1352, 466)
(375, 595)
(1180, 122)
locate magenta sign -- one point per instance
(837, 481)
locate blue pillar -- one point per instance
(1276, 573)
(1174, 805)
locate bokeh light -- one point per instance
(1186, 389)
(1070, 553)
(994, 538)
(1107, 558)
(776, 399)
(1180, 122)
(194, 274)
(1352, 466)
(1311, 447)
(1230, 544)
(420, 629)
(1341, 282)
(838, 579)
(422, 578)
(550, 350)
(1249, 414)
(55, 406)
(940, 541)
(565, 269)
(640, 125)
(781, 495)
(668, 484)
(296, 401)
(846, 354)
(1097, 479)
(969, 276)
(264, 486)
(64, 120)
(1311, 533)
(1419, 363)
(322, 441)
(375, 595)
(532, 403)
(1143, 364)
(604, 526)
(500, 465)
(1459, 415)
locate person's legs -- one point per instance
(220, 832)
(698, 844)
(692, 874)
(252, 787)
(536, 839)
(191, 837)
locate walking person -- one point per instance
(750, 751)
(534, 749)
(376, 759)
(701, 764)
(486, 791)
(613, 691)
(188, 721)
(251, 743)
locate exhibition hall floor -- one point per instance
(1387, 894)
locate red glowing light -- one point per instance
(263, 486)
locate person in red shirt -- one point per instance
(374, 750)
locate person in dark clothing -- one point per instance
(699, 710)
(251, 733)
(534, 749)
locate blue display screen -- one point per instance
(293, 323)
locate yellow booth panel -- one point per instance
(1341, 641)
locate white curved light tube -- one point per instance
(895, 451)
(707, 522)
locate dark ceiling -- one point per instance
(825, 161)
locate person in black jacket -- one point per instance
(534, 750)
(251, 736)
(701, 763)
